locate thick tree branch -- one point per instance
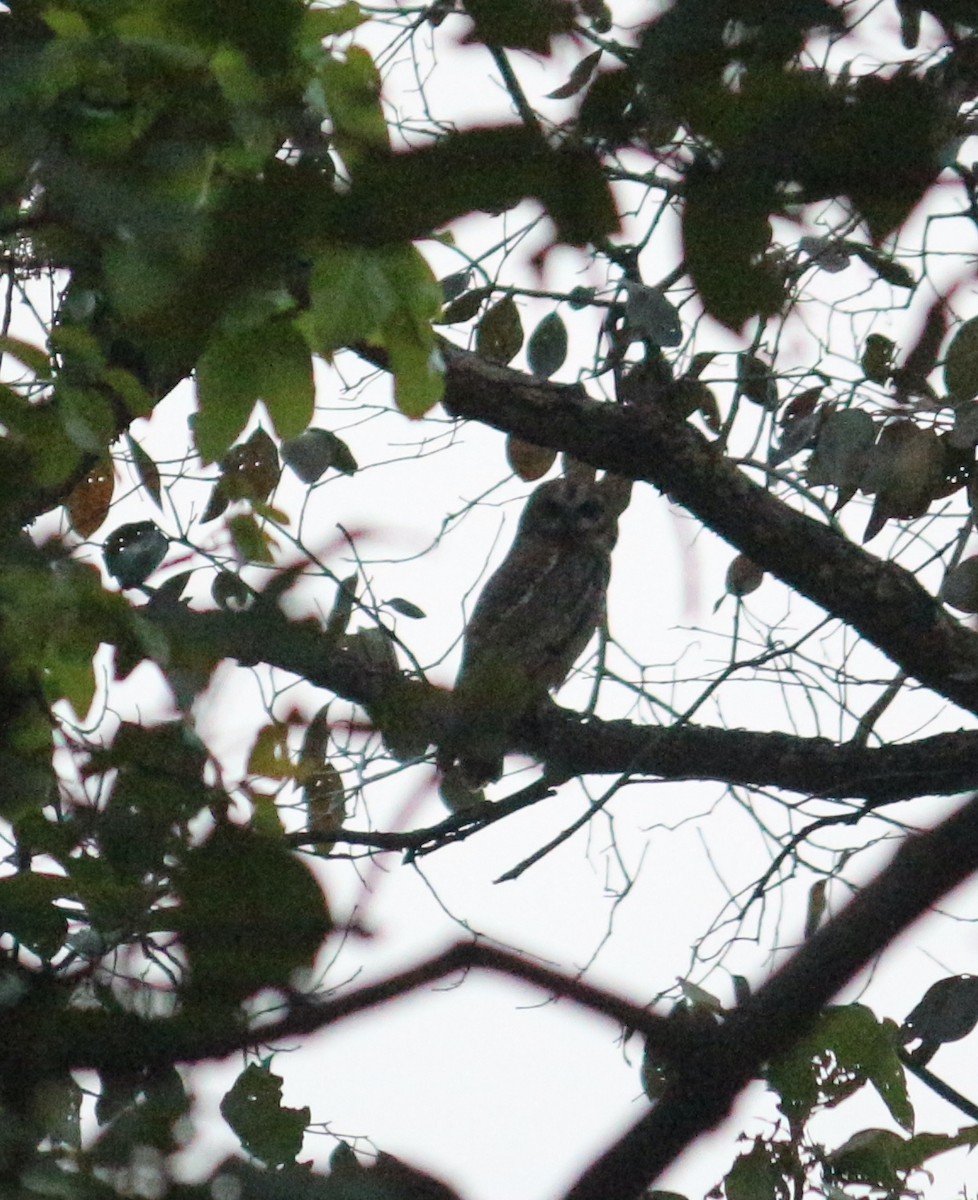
(106, 1042)
(943, 764)
(924, 869)
(879, 599)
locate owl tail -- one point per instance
(489, 701)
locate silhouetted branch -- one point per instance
(706, 1082)
(881, 600)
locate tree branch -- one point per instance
(879, 599)
(943, 764)
(924, 869)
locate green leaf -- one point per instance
(872, 1157)
(847, 1048)
(350, 298)
(57, 1106)
(252, 543)
(726, 231)
(476, 169)
(271, 363)
(547, 348)
(266, 1128)
(320, 23)
(756, 1175)
(33, 358)
(28, 912)
(251, 915)
(353, 88)
(419, 381)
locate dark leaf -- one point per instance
(756, 381)
(528, 461)
(547, 347)
(842, 452)
(90, 499)
(146, 469)
(499, 334)
(877, 358)
(230, 592)
(134, 551)
(579, 77)
(452, 286)
(922, 357)
(961, 362)
(888, 269)
(29, 912)
(650, 316)
(518, 25)
(405, 608)
(266, 1128)
(465, 307)
(726, 231)
(342, 610)
(949, 1008)
(250, 470)
(909, 12)
(905, 470)
(581, 297)
(743, 576)
(312, 453)
(251, 914)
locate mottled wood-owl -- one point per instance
(534, 617)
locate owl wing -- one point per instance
(538, 611)
(532, 621)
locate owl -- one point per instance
(534, 617)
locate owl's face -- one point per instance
(565, 511)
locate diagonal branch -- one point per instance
(879, 599)
(924, 869)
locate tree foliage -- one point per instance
(227, 201)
